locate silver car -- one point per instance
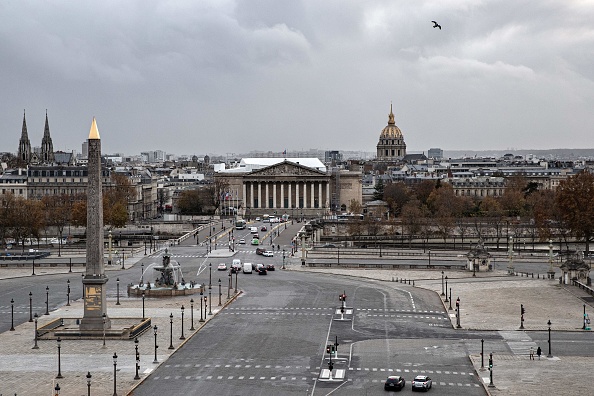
(421, 382)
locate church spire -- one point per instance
(47, 147)
(24, 143)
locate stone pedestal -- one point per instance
(95, 304)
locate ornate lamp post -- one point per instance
(89, 383)
(59, 360)
(109, 247)
(201, 295)
(46, 300)
(35, 346)
(30, 307)
(458, 313)
(68, 293)
(551, 270)
(229, 286)
(446, 289)
(510, 265)
(205, 305)
(550, 355)
(156, 346)
(137, 377)
(220, 294)
(104, 320)
(118, 291)
(284, 254)
(143, 316)
(115, 366)
(12, 314)
(192, 314)
(182, 324)
(442, 289)
(170, 331)
(450, 299)
(57, 389)
(141, 274)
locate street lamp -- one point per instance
(12, 314)
(109, 248)
(115, 366)
(482, 354)
(118, 287)
(192, 314)
(30, 307)
(229, 286)
(450, 299)
(59, 360)
(137, 377)
(220, 292)
(123, 258)
(201, 295)
(89, 383)
(46, 300)
(35, 346)
(182, 324)
(171, 331)
(57, 389)
(236, 272)
(205, 304)
(143, 306)
(68, 292)
(442, 289)
(550, 355)
(510, 265)
(458, 313)
(429, 251)
(446, 288)
(551, 271)
(141, 274)
(156, 346)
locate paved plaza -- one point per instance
(488, 302)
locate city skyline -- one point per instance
(235, 77)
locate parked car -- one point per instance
(421, 382)
(268, 253)
(255, 241)
(222, 267)
(263, 228)
(270, 267)
(394, 382)
(247, 268)
(241, 241)
(260, 251)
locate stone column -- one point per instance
(259, 194)
(305, 194)
(274, 205)
(297, 194)
(312, 188)
(267, 195)
(252, 195)
(290, 195)
(328, 195)
(320, 196)
(282, 193)
(244, 196)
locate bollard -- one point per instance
(533, 275)
(537, 276)
(413, 282)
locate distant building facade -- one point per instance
(391, 145)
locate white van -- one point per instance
(247, 268)
(254, 230)
(236, 264)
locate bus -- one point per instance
(240, 224)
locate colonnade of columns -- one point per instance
(286, 194)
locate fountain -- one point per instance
(168, 280)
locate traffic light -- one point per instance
(522, 310)
(328, 348)
(340, 297)
(490, 361)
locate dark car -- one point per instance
(260, 250)
(394, 382)
(270, 267)
(262, 271)
(263, 228)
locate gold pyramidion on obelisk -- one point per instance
(94, 281)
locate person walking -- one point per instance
(538, 352)
(531, 353)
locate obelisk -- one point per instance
(94, 281)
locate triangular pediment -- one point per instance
(287, 168)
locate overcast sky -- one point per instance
(224, 76)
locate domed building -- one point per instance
(391, 146)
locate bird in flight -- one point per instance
(436, 25)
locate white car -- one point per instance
(268, 253)
(421, 382)
(222, 267)
(241, 241)
(257, 219)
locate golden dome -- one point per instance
(391, 131)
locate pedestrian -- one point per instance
(538, 352)
(531, 353)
